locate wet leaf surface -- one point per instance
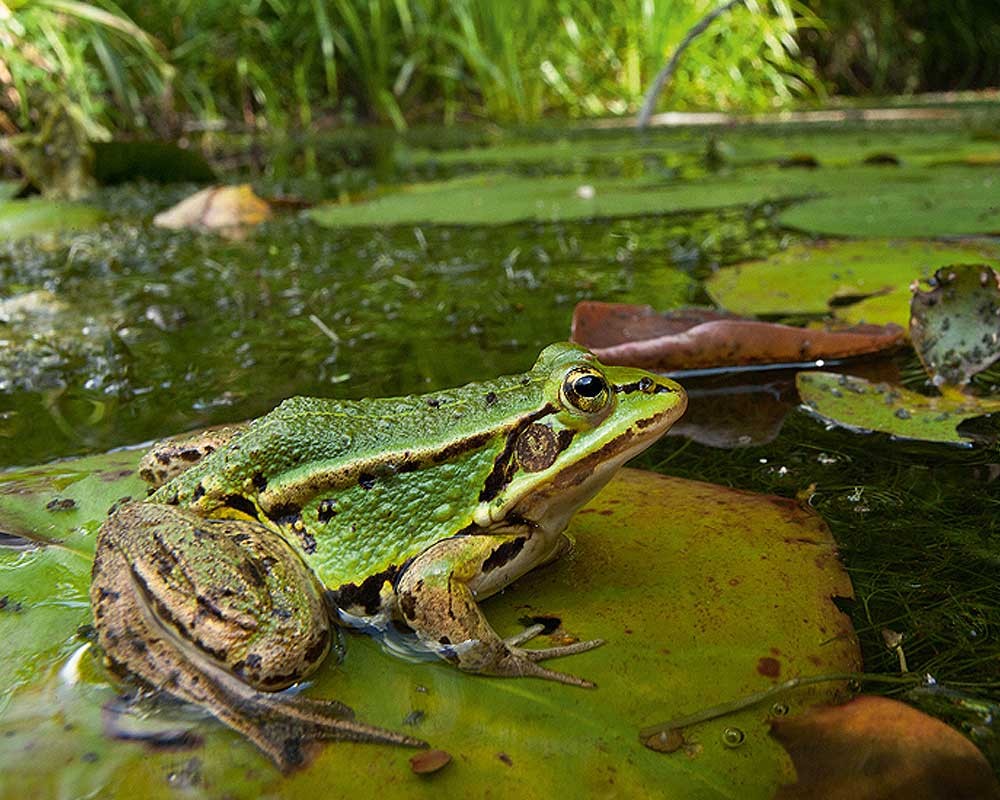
(917, 201)
(862, 406)
(955, 325)
(669, 586)
(639, 336)
(20, 218)
(875, 748)
(864, 281)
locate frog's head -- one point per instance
(589, 420)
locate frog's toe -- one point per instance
(520, 664)
(561, 650)
(526, 635)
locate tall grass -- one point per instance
(288, 63)
(85, 62)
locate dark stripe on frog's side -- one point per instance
(367, 596)
(504, 554)
(504, 466)
(388, 464)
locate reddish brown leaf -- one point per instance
(698, 339)
(429, 761)
(874, 748)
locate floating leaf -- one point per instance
(668, 586)
(19, 218)
(229, 210)
(875, 748)
(934, 201)
(639, 336)
(864, 281)
(955, 326)
(862, 406)
(860, 201)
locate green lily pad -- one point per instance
(848, 147)
(863, 281)
(20, 218)
(931, 201)
(918, 201)
(955, 326)
(862, 406)
(670, 587)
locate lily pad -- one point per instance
(918, 201)
(863, 406)
(955, 326)
(931, 201)
(19, 218)
(863, 281)
(669, 586)
(638, 336)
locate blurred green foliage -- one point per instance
(894, 46)
(285, 63)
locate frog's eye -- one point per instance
(586, 390)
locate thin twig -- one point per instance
(664, 74)
(723, 709)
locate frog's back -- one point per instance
(362, 486)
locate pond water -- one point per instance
(143, 332)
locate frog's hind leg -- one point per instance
(437, 594)
(223, 614)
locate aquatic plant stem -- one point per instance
(649, 103)
(731, 707)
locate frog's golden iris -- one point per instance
(218, 588)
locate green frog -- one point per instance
(224, 585)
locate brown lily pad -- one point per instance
(955, 325)
(639, 336)
(875, 748)
(228, 210)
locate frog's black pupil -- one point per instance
(589, 386)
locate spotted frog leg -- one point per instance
(222, 613)
(438, 592)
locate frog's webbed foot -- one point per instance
(522, 661)
(441, 607)
(221, 613)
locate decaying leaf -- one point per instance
(639, 336)
(225, 209)
(860, 405)
(875, 748)
(955, 325)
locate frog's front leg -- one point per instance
(221, 613)
(437, 597)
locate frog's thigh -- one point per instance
(172, 590)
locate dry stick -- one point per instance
(664, 74)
